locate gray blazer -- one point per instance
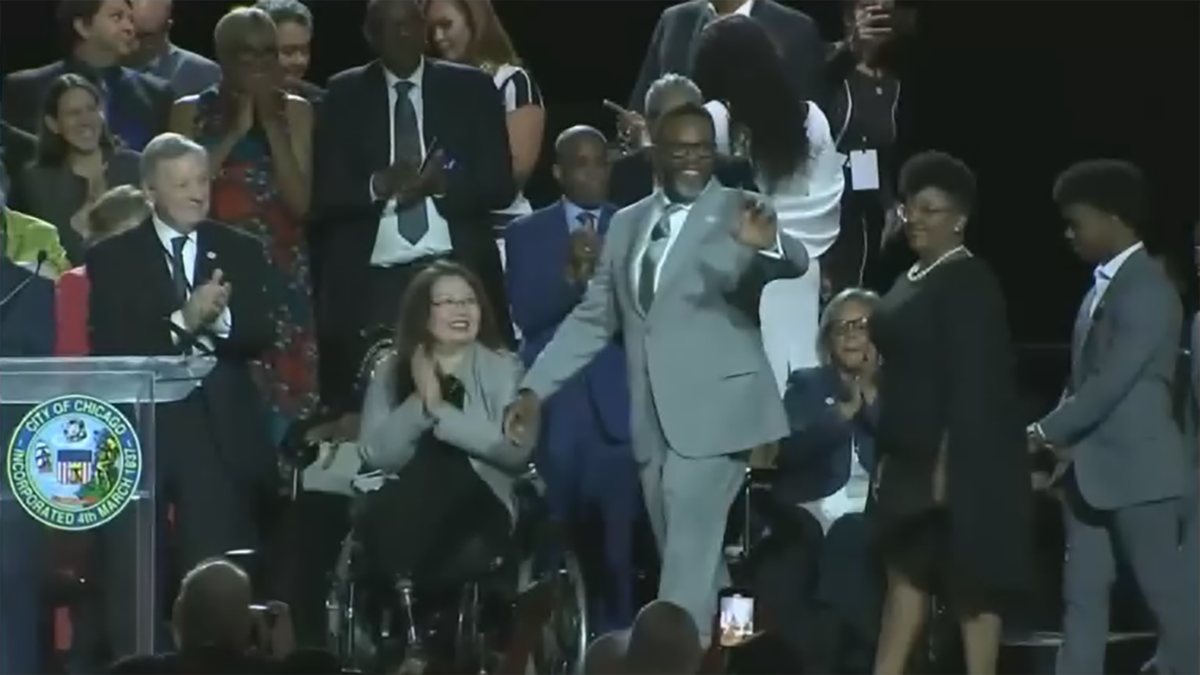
(390, 429)
(1117, 411)
(55, 193)
(696, 360)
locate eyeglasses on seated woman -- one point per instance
(432, 421)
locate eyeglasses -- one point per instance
(686, 150)
(461, 303)
(850, 327)
(907, 212)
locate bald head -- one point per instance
(581, 166)
(580, 133)
(606, 654)
(213, 607)
(151, 16)
(664, 640)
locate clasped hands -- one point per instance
(1036, 442)
(586, 245)
(407, 183)
(207, 302)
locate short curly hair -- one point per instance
(942, 171)
(1113, 186)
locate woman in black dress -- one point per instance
(953, 497)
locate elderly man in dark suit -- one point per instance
(673, 43)
(26, 330)
(1122, 455)
(101, 34)
(411, 156)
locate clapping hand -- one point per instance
(425, 378)
(207, 302)
(757, 226)
(585, 250)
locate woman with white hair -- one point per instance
(817, 582)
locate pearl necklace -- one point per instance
(916, 274)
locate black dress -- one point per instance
(948, 374)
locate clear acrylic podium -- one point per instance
(74, 463)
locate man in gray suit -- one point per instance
(679, 280)
(1123, 455)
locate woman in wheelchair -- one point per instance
(431, 424)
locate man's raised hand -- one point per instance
(522, 418)
(757, 226)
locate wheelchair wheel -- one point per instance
(565, 634)
(351, 637)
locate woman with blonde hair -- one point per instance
(259, 142)
(469, 32)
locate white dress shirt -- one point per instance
(391, 248)
(850, 498)
(744, 9)
(222, 326)
(1104, 275)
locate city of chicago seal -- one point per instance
(74, 463)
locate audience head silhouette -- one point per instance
(606, 654)
(213, 608)
(664, 640)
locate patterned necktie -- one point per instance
(412, 221)
(178, 272)
(659, 236)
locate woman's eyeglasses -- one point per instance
(462, 303)
(850, 327)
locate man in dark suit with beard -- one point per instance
(411, 156)
(181, 284)
(678, 30)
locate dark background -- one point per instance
(1017, 89)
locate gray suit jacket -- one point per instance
(696, 359)
(390, 429)
(1128, 449)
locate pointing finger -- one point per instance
(217, 276)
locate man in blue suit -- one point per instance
(26, 329)
(584, 452)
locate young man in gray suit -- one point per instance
(1122, 454)
(679, 280)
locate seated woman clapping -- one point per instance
(431, 420)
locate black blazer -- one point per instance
(673, 44)
(142, 99)
(17, 148)
(131, 301)
(55, 194)
(464, 113)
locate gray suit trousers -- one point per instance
(1148, 537)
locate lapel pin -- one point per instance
(210, 255)
(829, 400)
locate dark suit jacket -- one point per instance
(538, 250)
(131, 301)
(185, 71)
(463, 112)
(814, 460)
(633, 177)
(17, 148)
(673, 45)
(139, 100)
(27, 320)
(55, 194)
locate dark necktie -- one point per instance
(453, 391)
(412, 221)
(178, 272)
(657, 245)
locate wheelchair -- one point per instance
(463, 622)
